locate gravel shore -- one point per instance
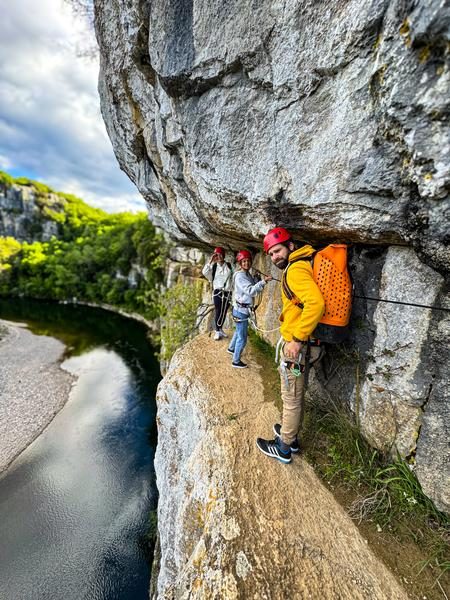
(33, 387)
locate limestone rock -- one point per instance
(232, 522)
(330, 119)
(399, 375)
(405, 388)
(22, 215)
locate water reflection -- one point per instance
(74, 506)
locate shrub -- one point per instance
(178, 309)
(85, 262)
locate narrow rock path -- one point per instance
(237, 524)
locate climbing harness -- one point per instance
(303, 363)
(250, 307)
(295, 367)
(239, 320)
(243, 304)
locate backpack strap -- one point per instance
(229, 274)
(286, 289)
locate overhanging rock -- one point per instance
(331, 119)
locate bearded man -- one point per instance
(298, 322)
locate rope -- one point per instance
(403, 303)
(223, 306)
(266, 275)
(253, 323)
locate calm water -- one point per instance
(74, 506)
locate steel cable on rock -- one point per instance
(402, 303)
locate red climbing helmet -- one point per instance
(219, 250)
(242, 254)
(275, 236)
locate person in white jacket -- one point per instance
(246, 287)
(219, 274)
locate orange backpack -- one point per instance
(331, 274)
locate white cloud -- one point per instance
(5, 163)
(124, 202)
(51, 128)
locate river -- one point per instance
(75, 505)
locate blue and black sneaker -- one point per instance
(239, 365)
(272, 448)
(295, 446)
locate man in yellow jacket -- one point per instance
(297, 325)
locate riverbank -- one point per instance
(152, 326)
(33, 387)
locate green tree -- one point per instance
(90, 259)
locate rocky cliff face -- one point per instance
(332, 120)
(393, 371)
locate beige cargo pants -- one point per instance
(292, 395)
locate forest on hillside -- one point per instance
(96, 257)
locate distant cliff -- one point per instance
(28, 210)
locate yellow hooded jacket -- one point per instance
(295, 321)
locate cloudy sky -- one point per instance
(50, 123)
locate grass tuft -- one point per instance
(384, 497)
(385, 493)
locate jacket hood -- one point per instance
(302, 252)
